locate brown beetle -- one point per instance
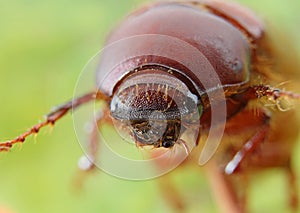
(166, 77)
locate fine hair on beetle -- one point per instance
(185, 81)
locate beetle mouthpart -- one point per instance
(156, 133)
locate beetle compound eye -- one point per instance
(167, 144)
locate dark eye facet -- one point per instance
(167, 144)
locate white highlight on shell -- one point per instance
(84, 163)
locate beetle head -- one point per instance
(156, 107)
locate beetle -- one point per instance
(159, 94)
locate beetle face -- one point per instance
(156, 132)
(155, 106)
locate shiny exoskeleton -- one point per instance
(159, 96)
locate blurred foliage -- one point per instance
(43, 47)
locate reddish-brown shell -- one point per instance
(224, 33)
(238, 15)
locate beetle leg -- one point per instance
(247, 149)
(223, 191)
(171, 194)
(230, 190)
(256, 125)
(51, 118)
(293, 187)
(86, 163)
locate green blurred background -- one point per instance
(43, 47)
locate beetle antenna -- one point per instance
(51, 118)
